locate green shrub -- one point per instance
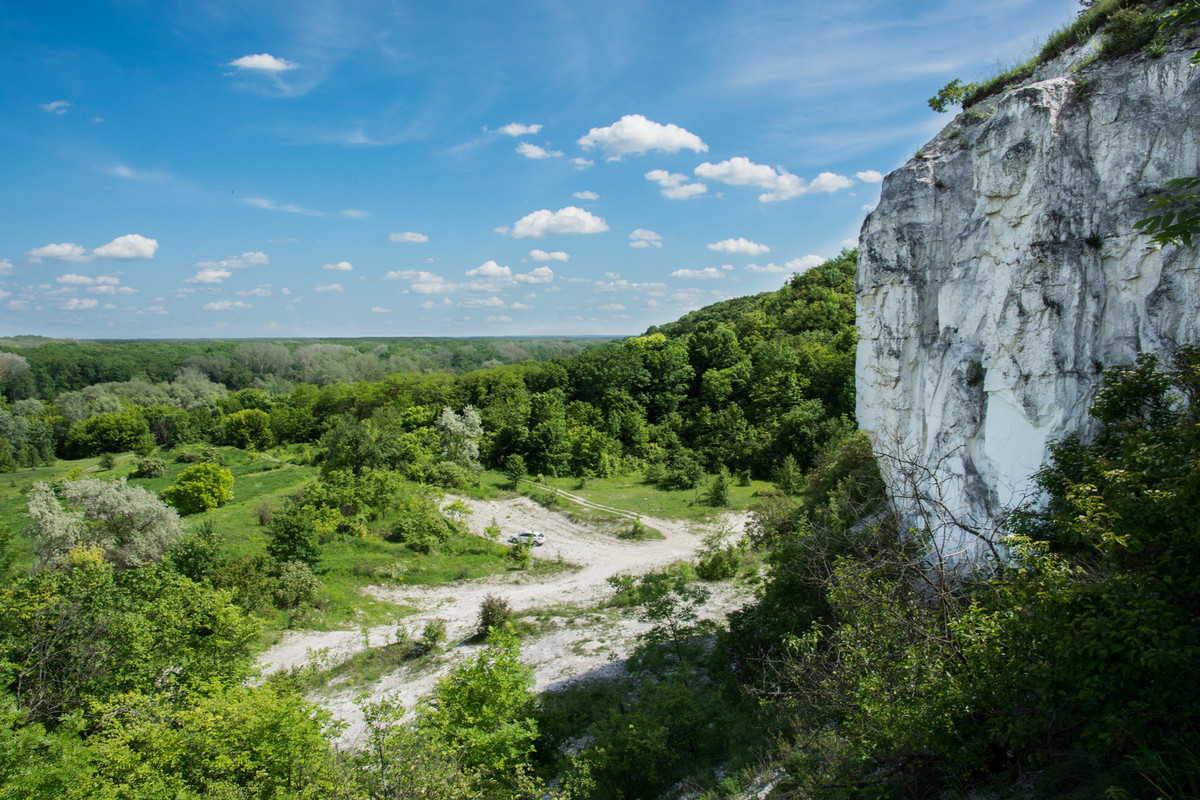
(493, 614)
(200, 488)
(149, 468)
(297, 584)
(1127, 31)
(434, 634)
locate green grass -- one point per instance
(629, 493)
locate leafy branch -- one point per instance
(1179, 219)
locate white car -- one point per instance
(527, 538)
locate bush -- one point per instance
(1128, 31)
(520, 555)
(149, 468)
(200, 488)
(295, 536)
(434, 634)
(493, 614)
(297, 584)
(107, 462)
(719, 565)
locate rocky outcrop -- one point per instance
(1001, 273)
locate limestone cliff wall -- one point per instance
(1000, 273)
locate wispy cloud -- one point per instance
(56, 107)
(262, 202)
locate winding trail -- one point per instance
(572, 644)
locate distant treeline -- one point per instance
(63, 365)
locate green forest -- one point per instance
(166, 516)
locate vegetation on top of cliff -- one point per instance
(1127, 25)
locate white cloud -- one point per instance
(209, 275)
(499, 318)
(698, 274)
(260, 291)
(330, 287)
(6, 266)
(80, 304)
(643, 238)
(849, 242)
(422, 282)
(408, 236)
(482, 302)
(354, 213)
(521, 307)
(517, 129)
(587, 195)
(56, 107)
(66, 251)
(341, 266)
(72, 278)
(623, 285)
(542, 255)
(130, 247)
(262, 202)
(539, 275)
(634, 134)
(804, 263)
(380, 310)
(582, 163)
(829, 182)
(564, 221)
(613, 307)
(533, 151)
(740, 246)
(869, 176)
(225, 305)
(251, 258)
(674, 185)
(868, 208)
(491, 272)
(765, 268)
(741, 171)
(263, 62)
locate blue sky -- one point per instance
(235, 169)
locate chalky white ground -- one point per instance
(572, 647)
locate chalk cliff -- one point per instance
(1000, 273)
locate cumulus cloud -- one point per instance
(6, 266)
(263, 62)
(567, 220)
(80, 304)
(804, 263)
(582, 163)
(482, 302)
(740, 245)
(644, 238)
(517, 129)
(130, 247)
(56, 107)
(225, 305)
(408, 236)
(764, 268)
(71, 277)
(533, 151)
(520, 307)
(422, 282)
(251, 258)
(633, 134)
(341, 266)
(329, 287)
(66, 251)
(698, 274)
(539, 275)
(588, 195)
(542, 255)
(262, 202)
(869, 176)
(209, 275)
(782, 185)
(674, 185)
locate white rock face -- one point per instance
(1001, 273)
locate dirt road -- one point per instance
(571, 646)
